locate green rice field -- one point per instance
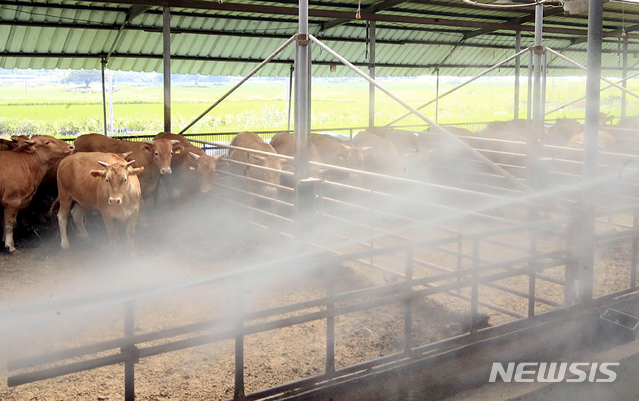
(72, 110)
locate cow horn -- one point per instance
(194, 155)
(103, 164)
(149, 142)
(14, 138)
(130, 163)
(174, 141)
(29, 142)
(218, 157)
(126, 154)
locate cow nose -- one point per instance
(71, 148)
(116, 201)
(166, 170)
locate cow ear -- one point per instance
(135, 171)
(260, 158)
(287, 167)
(148, 146)
(98, 173)
(178, 148)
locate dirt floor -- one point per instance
(177, 248)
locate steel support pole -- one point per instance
(624, 76)
(104, 105)
(589, 195)
(543, 92)
(290, 98)
(437, 97)
(302, 98)
(529, 94)
(535, 134)
(517, 72)
(166, 36)
(371, 72)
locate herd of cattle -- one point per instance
(117, 177)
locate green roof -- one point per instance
(229, 38)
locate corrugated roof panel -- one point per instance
(138, 41)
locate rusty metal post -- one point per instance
(129, 365)
(474, 292)
(330, 322)
(635, 249)
(408, 312)
(239, 341)
(532, 275)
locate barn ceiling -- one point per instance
(230, 38)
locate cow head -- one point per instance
(205, 167)
(20, 143)
(50, 149)
(272, 177)
(162, 153)
(116, 178)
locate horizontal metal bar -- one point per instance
(243, 177)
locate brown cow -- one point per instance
(513, 130)
(405, 141)
(113, 190)
(284, 144)
(20, 175)
(344, 154)
(561, 132)
(253, 141)
(606, 142)
(193, 170)
(605, 118)
(155, 156)
(381, 155)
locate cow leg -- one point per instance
(63, 217)
(10, 216)
(113, 232)
(78, 218)
(130, 229)
(143, 221)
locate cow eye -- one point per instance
(47, 142)
(125, 180)
(157, 154)
(107, 180)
